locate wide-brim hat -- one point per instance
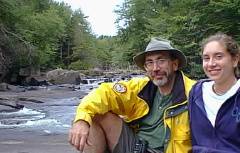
(158, 45)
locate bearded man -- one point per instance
(142, 115)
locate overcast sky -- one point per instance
(100, 14)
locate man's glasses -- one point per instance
(159, 62)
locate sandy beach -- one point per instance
(14, 140)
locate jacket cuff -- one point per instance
(83, 116)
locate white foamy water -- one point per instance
(23, 117)
(24, 111)
(55, 116)
(32, 123)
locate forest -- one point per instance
(44, 34)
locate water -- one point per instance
(55, 116)
(20, 118)
(91, 83)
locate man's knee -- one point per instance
(110, 125)
(108, 119)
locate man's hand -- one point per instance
(78, 135)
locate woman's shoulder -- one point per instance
(200, 83)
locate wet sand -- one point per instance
(14, 141)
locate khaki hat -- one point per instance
(158, 45)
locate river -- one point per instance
(53, 116)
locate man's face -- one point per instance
(160, 68)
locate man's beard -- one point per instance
(161, 82)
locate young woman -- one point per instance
(214, 103)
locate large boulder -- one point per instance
(9, 105)
(4, 87)
(36, 81)
(60, 76)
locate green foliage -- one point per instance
(43, 34)
(43, 30)
(186, 23)
(7, 15)
(81, 41)
(48, 34)
(79, 65)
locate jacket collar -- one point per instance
(197, 92)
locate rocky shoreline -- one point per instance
(12, 100)
(15, 140)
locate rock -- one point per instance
(8, 87)
(34, 81)
(30, 100)
(16, 88)
(60, 76)
(10, 104)
(4, 87)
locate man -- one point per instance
(143, 115)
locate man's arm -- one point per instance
(118, 99)
(99, 101)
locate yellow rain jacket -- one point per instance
(132, 100)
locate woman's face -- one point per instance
(218, 64)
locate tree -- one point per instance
(43, 30)
(83, 53)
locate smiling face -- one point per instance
(218, 63)
(160, 68)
